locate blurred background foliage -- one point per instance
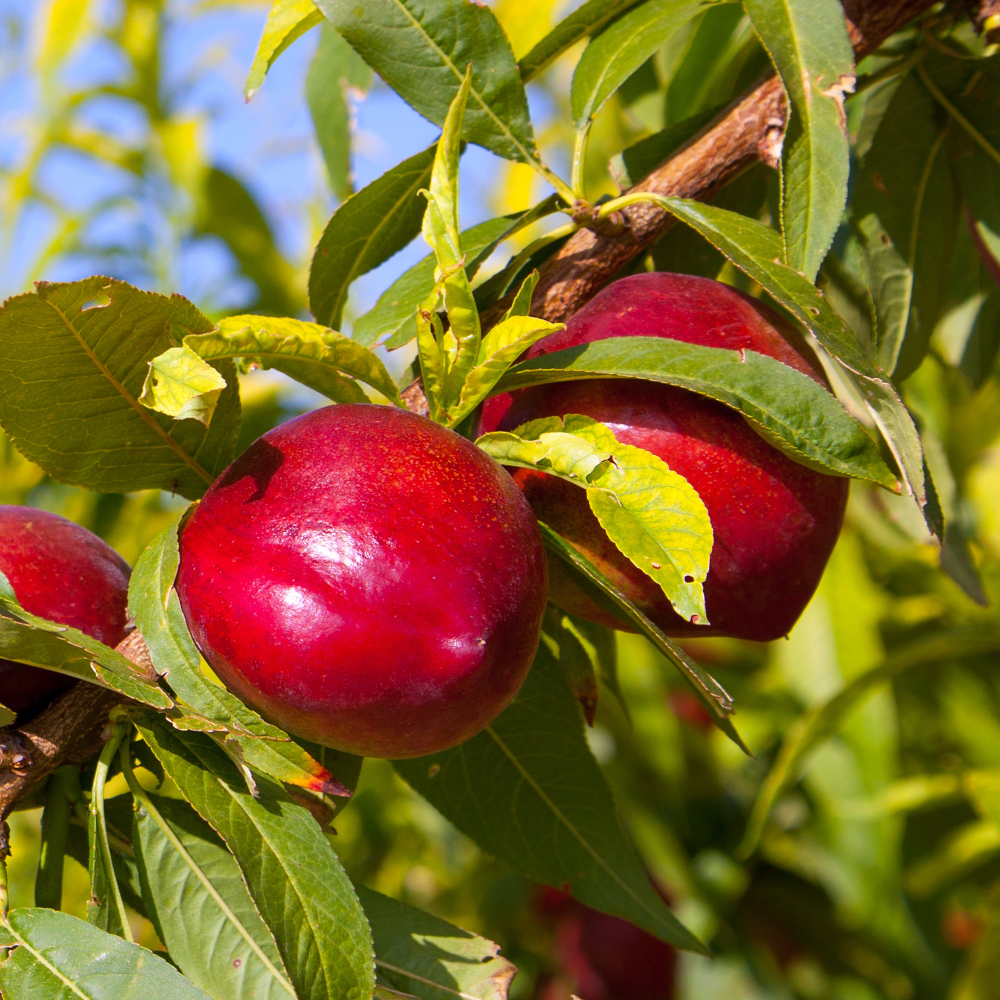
(126, 149)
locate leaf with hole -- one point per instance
(73, 361)
(652, 514)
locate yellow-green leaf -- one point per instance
(182, 386)
(288, 20)
(500, 348)
(652, 514)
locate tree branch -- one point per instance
(70, 731)
(750, 129)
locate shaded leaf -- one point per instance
(647, 154)
(604, 593)
(792, 411)
(310, 908)
(71, 372)
(428, 957)
(335, 72)
(287, 21)
(421, 48)
(365, 231)
(905, 214)
(652, 514)
(529, 792)
(621, 48)
(808, 43)
(823, 720)
(26, 638)
(60, 957)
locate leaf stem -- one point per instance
(974, 133)
(99, 821)
(62, 792)
(146, 802)
(580, 145)
(562, 188)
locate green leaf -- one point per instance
(792, 411)
(59, 957)
(203, 705)
(574, 660)
(529, 792)
(457, 351)
(228, 210)
(393, 319)
(365, 231)
(71, 371)
(604, 593)
(823, 720)
(288, 20)
(295, 879)
(336, 71)
(421, 48)
(757, 250)
(105, 908)
(500, 348)
(587, 20)
(621, 48)
(182, 386)
(26, 638)
(808, 44)
(905, 213)
(652, 514)
(312, 354)
(200, 906)
(429, 958)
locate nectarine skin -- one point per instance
(67, 574)
(775, 521)
(366, 579)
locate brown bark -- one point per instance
(70, 731)
(750, 129)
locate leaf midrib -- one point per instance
(557, 812)
(529, 157)
(43, 961)
(189, 460)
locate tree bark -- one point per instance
(752, 128)
(70, 731)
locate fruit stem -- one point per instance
(99, 824)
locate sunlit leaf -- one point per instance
(73, 360)
(287, 21)
(792, 411)
(60, 957)
(421, 48)
(652, 514)
(365, 231)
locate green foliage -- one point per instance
(528, 790)
(61, 957)
(836, 864)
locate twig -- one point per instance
(750, 129)
(70, 731)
